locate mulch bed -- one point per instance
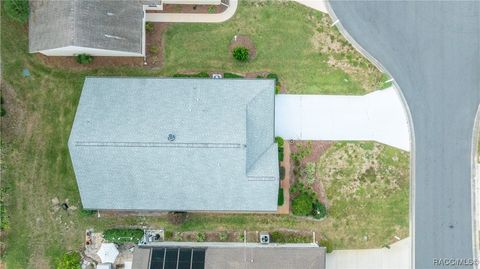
(155, 38)
(318, 148)
(194, 9)
(69, 62)
(153, 60)
(243, 41)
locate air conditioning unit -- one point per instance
(264, 238)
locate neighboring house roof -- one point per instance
(110, 25)
(229, 255)
(223, 157)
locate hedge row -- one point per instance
(197, 75)
(280, 197)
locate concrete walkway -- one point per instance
(191, 17)
(378, 116)
(397, 257)
(320, 5)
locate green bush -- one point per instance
(240, 54)
(327, 244)
(319, 210)
(282, 172)
(123, 235)
(280, 197)
(84, 58)
(168, 235)
(275, 77)
(17, 9)
(69, 260)
(280, 141)
(149, 26)
(201, 237)
(231, 75)
(3, 112)
(280, 154)
(197, 75)
(302, 205)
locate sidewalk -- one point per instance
(190, 17)
(397, 257)
(320, 5)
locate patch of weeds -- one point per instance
(196, 75)
(149, 27)
(223, 236)
(212, 9)
(201, 237)
(153, 49)
(289, 237)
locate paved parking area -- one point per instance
(378, 116)
(397, 257)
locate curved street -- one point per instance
(432, 49)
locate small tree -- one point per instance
(84, 58)
(17, 9)
(302, 205)
(69, 260)
(240, 54)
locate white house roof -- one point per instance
(223, 157)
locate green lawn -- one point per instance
(293, 41)
(36, 166)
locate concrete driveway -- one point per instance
(397, 257)
(379, 116)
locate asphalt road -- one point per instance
(432, 49)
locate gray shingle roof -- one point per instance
(101, 24)
(223, 158)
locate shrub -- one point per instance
(231, 75)
(197, 75)
(153, 49)
(177, 218)
(327, 244)
(319, 210)
(240, 54)
(223, 236)
(280, 197)
(273, 76)
(201, 237)
(168, 235)
(282, 172)
(86, 212)
(302, 205)
(84, 58)
(69, 260)
(17, 9)
(123, 235)
(280, 141)
(149, 26)
(212, 9)
(280, 154)
(3, 112)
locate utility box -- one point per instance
(264, 238)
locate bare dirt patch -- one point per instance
(243, 41)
